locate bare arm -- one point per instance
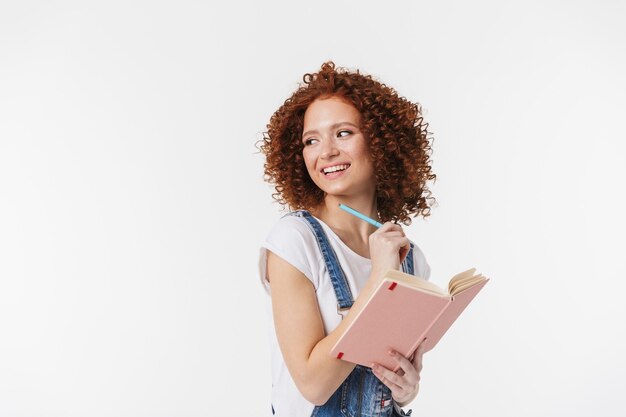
(299, 326)
(300, 333)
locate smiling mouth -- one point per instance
(336, 168)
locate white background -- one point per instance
(132, 202)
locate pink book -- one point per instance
(401, 313)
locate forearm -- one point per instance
(323, 374)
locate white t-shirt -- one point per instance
(292, 239)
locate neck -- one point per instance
(343, 222)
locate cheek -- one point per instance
(362, 153)
(309, 160)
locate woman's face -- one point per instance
(335, 151)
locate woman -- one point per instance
(342, 137)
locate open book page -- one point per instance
(464, 280)
(462, 286)
(460, 301)
(415, 281)
(457, 284)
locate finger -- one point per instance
(388, 377)
(386, 226)
(390, 226)
(411, 374)
(404, 250)
(400, 241)
(404, 363)
(394, 240)
(386, 230)
(418, 357)
(394, 233)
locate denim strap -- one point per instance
(407, 264)
(337, 276)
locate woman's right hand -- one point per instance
(388, 248)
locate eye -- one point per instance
(309, 141)
(343, 133)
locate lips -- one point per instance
(331, 169)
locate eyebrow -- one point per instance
(332, 127)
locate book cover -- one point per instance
(399, 315)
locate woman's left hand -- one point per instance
(404, 383)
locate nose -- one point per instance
(329, 149)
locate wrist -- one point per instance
(407, 401)
(378, 271)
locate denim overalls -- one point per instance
(361, 394)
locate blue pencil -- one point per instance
(359, 215)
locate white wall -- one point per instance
(132, 203)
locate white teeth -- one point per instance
(335, 168)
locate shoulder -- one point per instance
(291, 229)
(291, 239)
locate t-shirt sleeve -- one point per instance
(293, 241)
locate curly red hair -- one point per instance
(399, 144)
